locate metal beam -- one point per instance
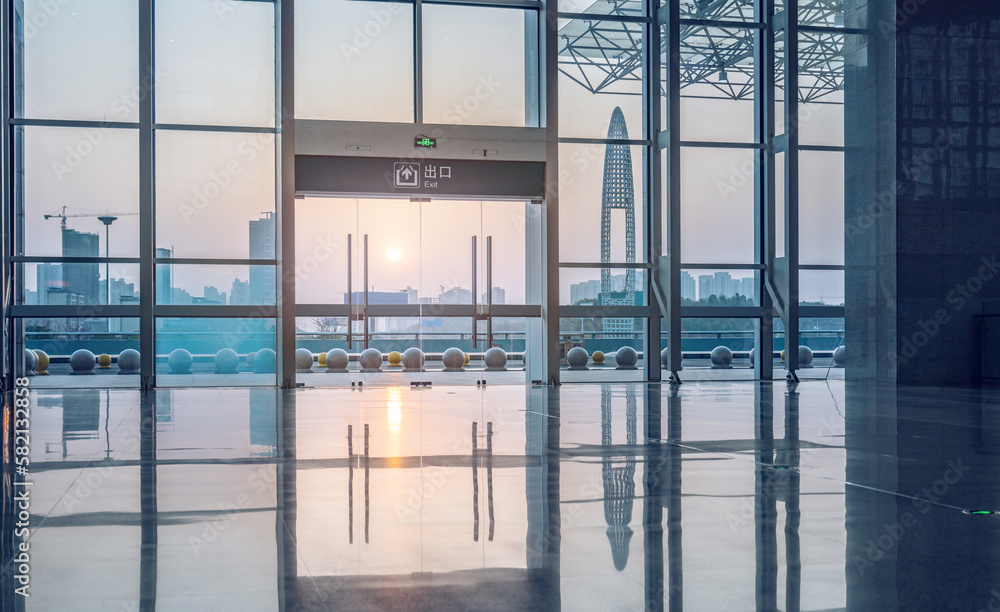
(284, 230)
(652, 197)
(549, 55)
(764, 183)
(147, 199)
(669, 264)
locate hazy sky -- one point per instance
(215, 64)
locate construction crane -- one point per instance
(107, 217)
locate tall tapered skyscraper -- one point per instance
(618, 193)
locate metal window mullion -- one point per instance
(418, 61)
(284, 230)
(10, 279)
(791, 319)
(147, 196)
(652, 187)
(764, 182)
(670, 273)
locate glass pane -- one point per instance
(448, 229)
(718, 287)
(184, 284)
(80, 283)
(607, 335)
(717, 86)
(203, 339)
(600, 69)
(62, 42)
(321, 229)
(717, 205)
(84, 174)
(467, 82)
(821, 208)
(724, 10)
(105, 338)
(354, 60)
(821, 287)
(212, 189)
(700, 338)
(217, 61)
(515, 228)
(588, 179)
(595, 287)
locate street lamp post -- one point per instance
(107, 220)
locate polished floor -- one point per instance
(713, 496)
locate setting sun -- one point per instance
(393, 254)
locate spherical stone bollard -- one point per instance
(453, 359)
(495, 360)
(626, 357)
(395, 360)
(337, 360)
(371, 360)
(805, 357)
(265, 361)
(577, 358)
(413, 360)
(598, 358)
(30, 362)
(321, 359)
(782, 355)
(722, 357)
(663, 357)
(180, 361)
(227, 361)
(753, 354)
(82, 361)
(250, 358)
(104, 361)
(839, 357)
(466, 359)
(42, 369)
(128, 362)
(303, 360)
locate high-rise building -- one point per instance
(81, 278)
(499, 296)
(240, 292)
(618, 193)
(747, 287)
(587, 290)
(688, 286)
(262, 280)
(164, 282)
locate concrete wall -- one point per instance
(923, 187)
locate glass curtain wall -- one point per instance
(143, 146)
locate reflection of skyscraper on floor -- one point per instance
(262, 281)
(81, 279)
(618, 194)
(618, 477)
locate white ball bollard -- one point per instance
(453, 360)
(805, 357)
(337, 360)
(413, 360)
(265, 361)
(250, 357)
(82, 362)
(663, 357)
(626, 357)
(722, 357)
(495, 360)
(180, 361)
(30, 362)
(303, 360)
(839, 357)
(371, 360)
(753, 355)
(128, 362)
(227, 361)
(577, 358)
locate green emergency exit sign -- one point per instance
(424, 142)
